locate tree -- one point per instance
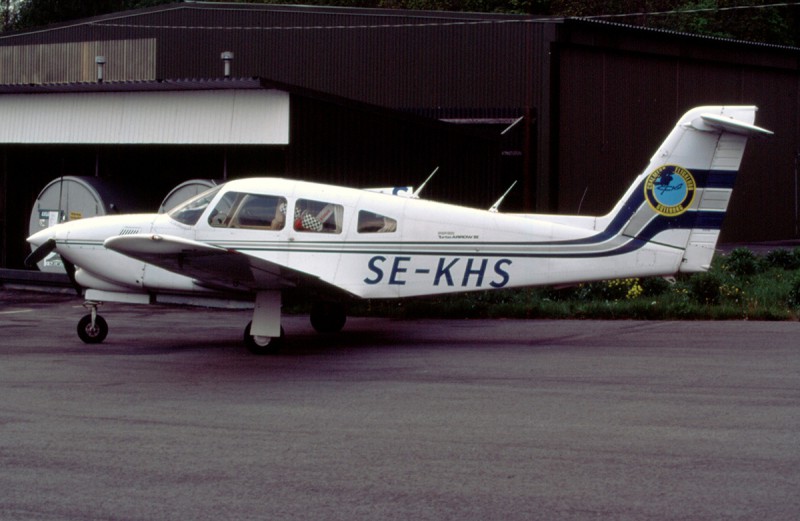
(7, 14)
(741, 19)
(34, 13)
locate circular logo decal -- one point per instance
(670, 190)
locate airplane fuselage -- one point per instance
(429, 248)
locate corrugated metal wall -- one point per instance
(617, 102)
(359, 148)
(439, 64)
(73, 62)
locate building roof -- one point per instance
(166, 85)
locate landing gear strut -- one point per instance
(266, 324)
(92, 328)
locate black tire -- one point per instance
(262, 345)
(327, 317)
(92, 335)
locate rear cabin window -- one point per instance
(318, 216)
(240, 210)
(369, 222)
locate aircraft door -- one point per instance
(252, 223)
(316, 237)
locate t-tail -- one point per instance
(680, 199)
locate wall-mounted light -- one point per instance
(227, 58)
(101, 63)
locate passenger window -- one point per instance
(369, 222)
(238, 210)
(318, 216)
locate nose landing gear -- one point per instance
(92, 328)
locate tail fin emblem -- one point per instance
(670, 190)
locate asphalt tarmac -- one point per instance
(171, 418)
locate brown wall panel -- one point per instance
(616, 106)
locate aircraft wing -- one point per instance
(212, 266)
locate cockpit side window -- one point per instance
(318, 216)
(369, 222)
(240, 210)
(190, 211)
(222, 214)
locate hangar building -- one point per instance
(572, 109)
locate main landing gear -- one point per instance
(326, 317)
(261, 345)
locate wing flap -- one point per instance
(211, 266)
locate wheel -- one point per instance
(261, 345)
(327, 317)
(89, 334)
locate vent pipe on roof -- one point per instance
(227, 58)
(101, 63)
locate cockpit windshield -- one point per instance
(190, 211)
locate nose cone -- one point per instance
(41, 237)
(43, 243)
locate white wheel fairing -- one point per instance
(261, 345)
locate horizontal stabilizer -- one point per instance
(732, 125)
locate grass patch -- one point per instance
(739, 286)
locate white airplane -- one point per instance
(235, 241)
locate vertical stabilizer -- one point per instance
(680, 199)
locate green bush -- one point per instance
(741, 262)
(654, 286)
(705, 288)
(783, 259)
(611, 290)
(794, 293)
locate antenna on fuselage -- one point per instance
(415, 195)
(496, 205)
